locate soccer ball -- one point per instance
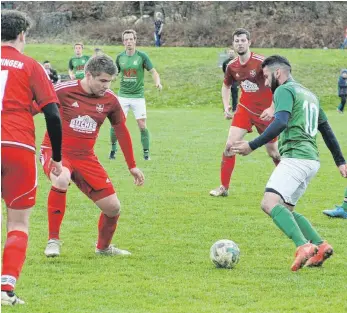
(225, 253)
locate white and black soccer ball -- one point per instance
(225, 253)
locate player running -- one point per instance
(298, 117)
(85, 104)
(254, 107)
(22, 80)
(131, 66)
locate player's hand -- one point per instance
(139, 178)
(343, 170)
(241, 147)
(267, 114)
(55, 167)
(159, 86)
(227, 113)
(72, 77)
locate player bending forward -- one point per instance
(297, 120)
(254, 108)
(85, 104)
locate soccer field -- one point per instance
(170, 223)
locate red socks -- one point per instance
(56, 211)
(107, 226)
(13, 258)
(227, 168)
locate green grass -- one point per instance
(171, 222)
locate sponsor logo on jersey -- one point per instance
(252, 73)
(83, 124)
(248, 86)
(108, 180)
(237, 75)
(75, 105)
(135, 62)
(99, 108)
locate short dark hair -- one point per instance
(101, 64)
(241, 31)
(44, 62)
(13, 23)
(276, 61)
(78, 44)
(129, 31)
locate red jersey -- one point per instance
(255, 96)
(22, 81)
(83, 114)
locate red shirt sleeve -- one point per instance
(228, 78)
(117, 119)
(41, 86)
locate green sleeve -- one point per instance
(147, 64)
(322, 116)
(283, 100)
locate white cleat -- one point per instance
(53, 248)
(10, 298)
(220, 191)
(112, 250)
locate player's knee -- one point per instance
(266, 205)
(113, 208)
(63, 180)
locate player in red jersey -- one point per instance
(85, 104)
(22, 79)
(255, 106)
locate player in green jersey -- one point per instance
(131, 65)
(298, 117)
(77, 63)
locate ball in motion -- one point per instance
(225, 253)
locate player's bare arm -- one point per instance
(226, 100)
(156, 78)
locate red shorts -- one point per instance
(245, 120)
(18, 177)
(86, 172)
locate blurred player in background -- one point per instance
(22, 80)
(234, 86)
(254, 107)
(85, 104)
(77, 62)
(298, 117)
(131, 65)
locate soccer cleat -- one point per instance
(147, 157)
(112, 250)
(220, 191)
(303, 253)
(325, 251)
(53, 248)
(337, 212)
(112, 155)
(10, 298)
(338, 110)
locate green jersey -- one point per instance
(131, 69)
(76, 64)
(298, 140)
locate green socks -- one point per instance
(344, 204)
(145, 139)
(285, 221)
(113, 139)
(307, 229)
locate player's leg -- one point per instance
(339, 211)
(341, 106)
(139, 108)
(56, 202)
(284, 188)
(272, 146)
(239, 127)
(124, 102)
(91, 178)
(17, 165)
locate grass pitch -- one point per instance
(170, 223)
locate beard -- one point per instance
(274, 83)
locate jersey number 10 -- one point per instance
(311, 118)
